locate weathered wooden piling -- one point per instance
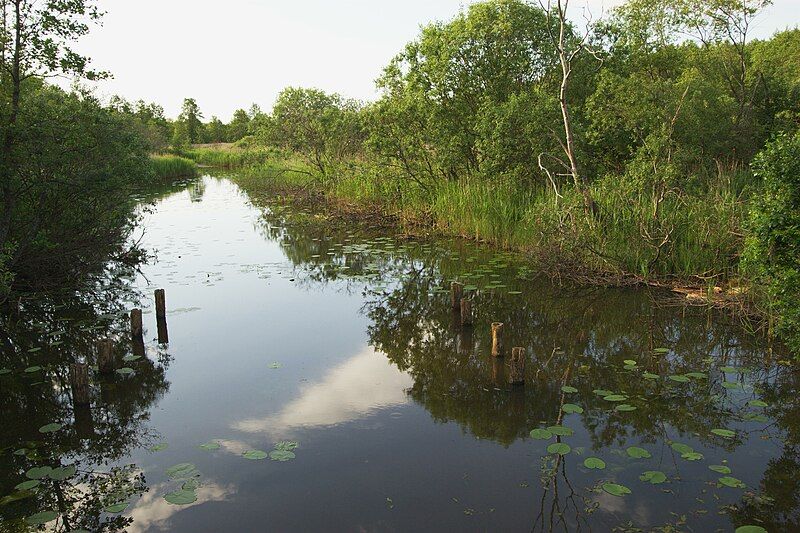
(466, 312)
(161, 304)
(497, 339)
(163, 334)
(79, 382)
(106, 362)
(516, 375)
(456, 295)
(136, 324)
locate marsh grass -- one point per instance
(172, 166)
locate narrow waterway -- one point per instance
(316, 379)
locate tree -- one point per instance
(191, 117)
(238, 126)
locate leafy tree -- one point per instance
(239, 125)
(191, 118)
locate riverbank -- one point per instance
(476, 213)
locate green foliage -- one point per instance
(773, 248)
(170, 166)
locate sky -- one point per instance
(228, 55)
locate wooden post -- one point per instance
(516, 375)
(466, 312)
(497, 339)
(105, 356)
(136, 323)
(456, 294)
(161, 304)
(79, 381)
(163, 334)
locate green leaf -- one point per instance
(276, 365)
(638, 453)
(680, 379)
(615, 398)
(41, 518)
(287, 445)
(682, 448)
(62, 473)
(38, 472)
(191, 484)
(50, 428)
(569, 390)
(603, 392)
(559, 448)
(630, 362)
(181, 497)
(624, 407)
(571, 408)
(750, 529)
(594, 463)
(654, 477)
(28, 485)
(732, 385)
(182, 471)
(116, 508)
(160, 447)
(757, 403)
(254, 455)
(726, 433)
(4, 371)
(692, 456)
(32, 369)
(131, 358)
(732, 482)
(661, 350)
(650, 375)
(561, 431)
(281, 455)
(541, 434)
(616, 490)
(728, 369)
(720, 469)
(210, 446)
(126, 371)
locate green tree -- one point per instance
(239, 125)
(192, 119)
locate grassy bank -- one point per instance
(172, 166)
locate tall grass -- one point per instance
(232, 158)
(172, 166)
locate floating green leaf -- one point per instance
(732, 385)
(559, 448)
(757, 403)
(638, 453)
(682, 448)
(182, 471)
(191, 484)
(281, 455)
(654, 477)
(615, 398)
(571, 408)
(4, 371)
(541, 434)
(661, 350)
(726, 433)
(728, 369)
(181, 497)
(624, 407)
(50, 428)
(569, 390)
(650, 375)
(130, 358)
(125, 371)
(276, 365)
(254, 455)
(615, 489)
(679, 378)
(630, 362)
(692, 456)
(38, 472)
(41, 518)
(32, 369)
(287, 445)
(28, 485)
(160, 447)
(732, 482)
(561, 431)
(603, 392)
(210, 446)
(750, 529)
(594, 463)
(720, 469)
(62, 473)
(116, 508)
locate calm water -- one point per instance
(339, 347)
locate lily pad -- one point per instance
(62, 473)
(624, 407)
(210, 446)
(615, 489)
(630, 362)
(726, 433)
(661, 350)
(254, 455)
(750, 529)
(720, 469)
(692, 456)
(638, 453)
(682, 448)
(594, 463)
(732, 482)
(696, 375)
(125, 371)
(130, 358)
(559, 448)
(757, 403)
(50, 428)
(561, 431)
(650, 375)
(571, 408)
(541, 434)
(116, 508)
(38, 472)
(569, 390)
(287, 445)
(160, 447)
(181, 497)
(603, 392)
(276, 365)
(28, 485)
(281, 455)
(654, 477)
(182, 471)
(4, 371)
(41, 518)
(615, 398)
(32, 369)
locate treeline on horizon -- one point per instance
(660, 145)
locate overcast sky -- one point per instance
(230, 54)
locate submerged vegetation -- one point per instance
(622, 154)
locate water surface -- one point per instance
(339, 344)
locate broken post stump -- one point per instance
(136, 324)
(516, 375)
(163, 334)
(161, 304)
(497, 339)
(105, 356)
(456, 294)
(466, 312)
(79, 382)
